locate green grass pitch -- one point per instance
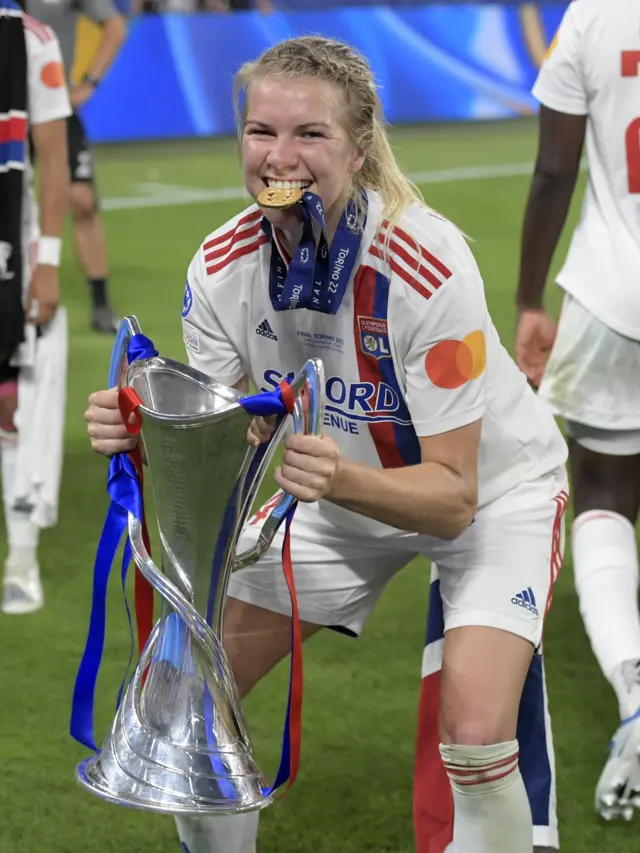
(354, 790)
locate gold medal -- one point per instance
(279, 198)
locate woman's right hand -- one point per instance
(105, 425)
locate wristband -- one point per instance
(91, 80)
(49, 251)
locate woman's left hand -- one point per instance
(309, 467)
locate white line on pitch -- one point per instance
(170, 195)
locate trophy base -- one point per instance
(139, 795)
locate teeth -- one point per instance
(287, 185)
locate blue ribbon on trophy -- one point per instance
(125, 489)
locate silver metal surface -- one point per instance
(179, 743)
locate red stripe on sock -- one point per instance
(495, 778)
(480, 768)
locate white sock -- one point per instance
(490, 803)
(605, 569)
(233, 833)
(21, 533)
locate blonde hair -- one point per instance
(318, 58)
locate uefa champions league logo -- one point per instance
(188, 301)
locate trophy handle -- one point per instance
(307, 420)
(119, 361)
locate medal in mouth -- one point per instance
(282, 194)
(279, 198)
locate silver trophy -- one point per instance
(178, 743)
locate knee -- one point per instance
(475, 727)
(603, 481)
(82, 201)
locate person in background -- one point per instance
(88, 227)
(589, 87)
(33, 98)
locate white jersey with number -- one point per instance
(47, 100)
(411, 352)
(593, 69)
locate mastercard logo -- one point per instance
(52, 75)
(450, 364)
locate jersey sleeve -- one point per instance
(208, 333)
(446, 358)
(48, 98)
(99, 10)
(560, 84)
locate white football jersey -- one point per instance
(593, 69)
(47, 100)
(411, 351)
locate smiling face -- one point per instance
(294, 136)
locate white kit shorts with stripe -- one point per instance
(591, 380)
(499, 573)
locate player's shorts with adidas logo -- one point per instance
(411, 352)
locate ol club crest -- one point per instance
(374, 337)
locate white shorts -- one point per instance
(591, 378)
(499, 573)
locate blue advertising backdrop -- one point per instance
(173, 78)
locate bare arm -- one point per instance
(438, 497)
(561, 139)
(554, 180)
(114, 32)
(50, 143)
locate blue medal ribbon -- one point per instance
(318, 275)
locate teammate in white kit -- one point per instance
(589, 86)
(434, 443)
(33, 328)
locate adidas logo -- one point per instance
(266, 331)
(526, 599)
